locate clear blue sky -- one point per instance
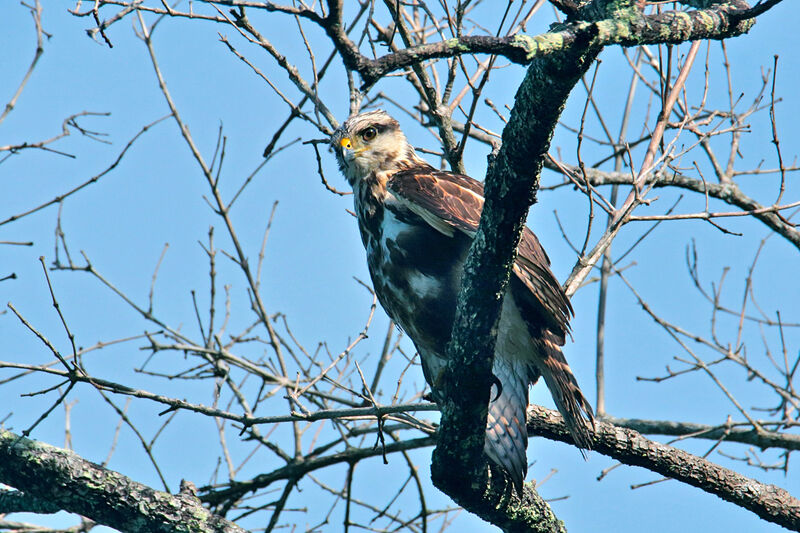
(155, 196)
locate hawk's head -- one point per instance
(369, 142)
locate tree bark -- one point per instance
(69, 482)
(771, 503)
(460, 468)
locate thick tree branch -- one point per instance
(107, 497)
(15, 501)
(459, 464)
(558, 58)
(602, 19)
(610, 23)
(629, 447)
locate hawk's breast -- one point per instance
(416, 271)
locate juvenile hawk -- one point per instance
(417, 224)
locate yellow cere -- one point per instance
(345, 143)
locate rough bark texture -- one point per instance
(609, 21)
(51, 479)
(629, 447)
(73, 484)
(459, 466)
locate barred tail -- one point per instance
(570, 401)
(506, 425)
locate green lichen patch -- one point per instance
(455, 44)
(538, 44)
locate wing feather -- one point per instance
(532, 269)
(442, 199)
(453, 202)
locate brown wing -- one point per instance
(450, 202)
(444, 200)
(536, 290)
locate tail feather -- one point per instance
(570, 401)
(506, 425)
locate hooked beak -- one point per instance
(348, 151)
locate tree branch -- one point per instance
(764, 439)
(626, 27)
(459, 465)
(460, 468)
(296, 470)
(728, 192)
(107, 497)
(629, 447)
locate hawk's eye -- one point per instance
(369, 134)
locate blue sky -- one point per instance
(155, 196)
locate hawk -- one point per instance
(417, 224)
